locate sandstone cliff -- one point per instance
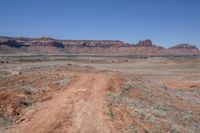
(46, 45)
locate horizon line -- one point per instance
(126, 42)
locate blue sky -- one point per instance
(165, 22)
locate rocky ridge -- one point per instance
(47, 45)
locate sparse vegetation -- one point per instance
(69, 64)
(110, 113)
(5, 120)
(25, 101)
(137, 104)
(126, 88)
(150, 112)
(27, 59)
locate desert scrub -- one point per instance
(20, 73)
(32, 90)
(126, 88)
(139, 85)
(5, 120)
(110, 112)
(27, 59)
(113, 98)
(62, 82)
(25, 102)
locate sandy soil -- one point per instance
(124, 95)
(80, 108)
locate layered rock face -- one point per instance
(101, 47)
(145, 43)
(184, 46)
(182, 49)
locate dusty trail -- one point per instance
(79, 108)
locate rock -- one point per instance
(47, 45)
(145, 43)
(184, 46)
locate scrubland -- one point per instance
(99, 94)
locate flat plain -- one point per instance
(60, 93)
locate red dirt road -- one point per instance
(79, 108)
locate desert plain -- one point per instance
(91, 94)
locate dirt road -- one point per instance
(73, 98)
(81, 107)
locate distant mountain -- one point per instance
(47, 45)
(184, 46)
